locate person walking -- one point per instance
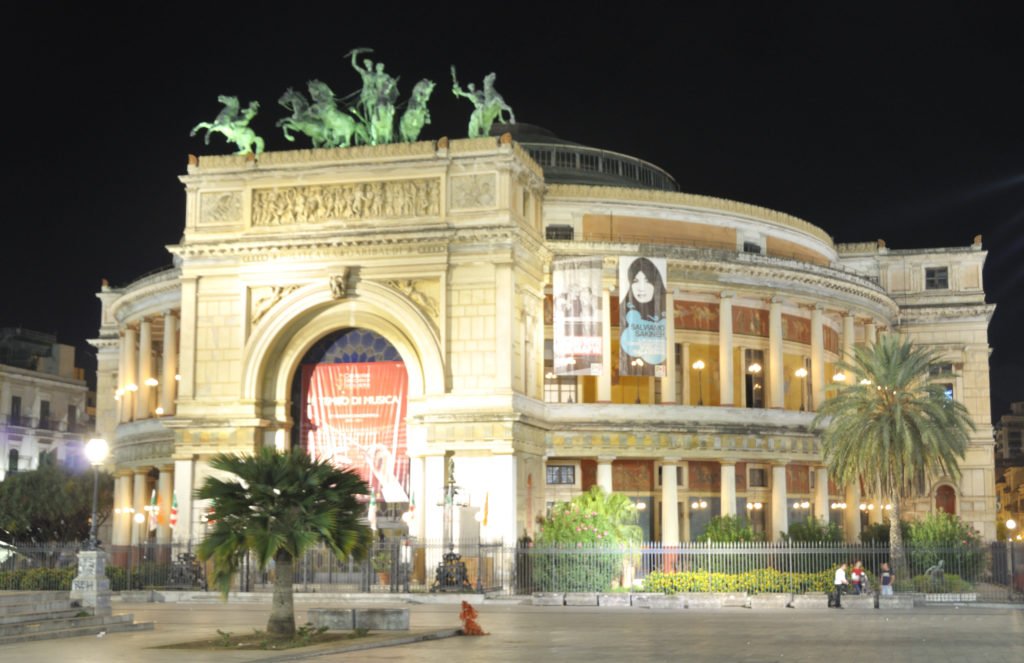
(840, 580)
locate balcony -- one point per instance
(44, 424)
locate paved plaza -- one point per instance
(535, 634)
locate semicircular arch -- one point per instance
(276, 348)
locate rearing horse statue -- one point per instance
(234, 124)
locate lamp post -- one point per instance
(96, 452)
(802, 373)
(1011, 525)
(637, 364)
(699, 367)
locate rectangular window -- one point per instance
(44, 414)
(947, 389)
(936, 278)
(72, 419)
(942, 368)
(751, 247)
(557, 388)
(562, 474)
(15, 417)
(558, 232)
(758, 478)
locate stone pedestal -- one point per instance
(91, 586)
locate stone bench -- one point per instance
(373, 619)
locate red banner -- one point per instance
(354, 416)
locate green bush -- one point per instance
(730, 529)
(575, 571)
(944, 537)
(879, 533)
(752, 582)
(951, 583)
(37, 579)
(813, 530)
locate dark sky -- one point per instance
(895, 121)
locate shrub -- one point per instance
(813, 530)
(575, 569)
(730, 529)
(879, 533)
(950, 583)
(945, 537)
(47, 579)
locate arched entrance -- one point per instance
(945, 499)
(349, 396)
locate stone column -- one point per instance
(821, 501)
(139, 503)
(780, 507)
(725, 382)
(121, 528)
(169, 391)
(669, 503)
(776, 394)
(165, 490)
(604, 381)
(686, 374)
(849, 336)
(417, 486)
(142, 404)
(604, 472)
(129, 381)
(728, 471)
(875, 515)
(668, 383)
(122, 374)
(183, 487)
(851, 519)
(870, 335)
(817, 360)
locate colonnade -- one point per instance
(821, 504)
(134, 517)
(774, 371)
(140, 393)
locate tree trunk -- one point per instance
(896, 552)
(282, 607)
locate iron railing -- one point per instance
(941, 573)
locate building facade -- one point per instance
(438, 256)
(44, 402)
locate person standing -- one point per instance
(840, 580)
(857, 577)
(887, 578)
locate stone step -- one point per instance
(45, 625)
(35, 606)
(38, 616)
(16, 597)
(77, 632)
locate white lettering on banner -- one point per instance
(361, 400)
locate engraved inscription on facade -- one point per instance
(221, 207)
(473, 191)
(339, 202)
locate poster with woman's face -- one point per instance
(642, 342)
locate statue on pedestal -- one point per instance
(234, 124)
(489, 105)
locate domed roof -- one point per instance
(566, 162)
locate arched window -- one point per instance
(945, 499)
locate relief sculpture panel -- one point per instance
(300, 205)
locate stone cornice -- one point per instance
(145, 290)
(955, 312)
(688, 200)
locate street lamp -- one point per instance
(1011, 525)
(95, 451)
(802, 373)
(699, 367)
(638, 365)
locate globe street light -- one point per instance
(95, 451)
(699, 366)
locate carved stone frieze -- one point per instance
(264, 299)
(473, 191)
(423, 293)
(314, 204)
(220, 207)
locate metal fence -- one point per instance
(962, 573)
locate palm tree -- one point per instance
(889, 426)
(279, 505)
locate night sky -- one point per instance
(887, 121)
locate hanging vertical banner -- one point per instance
(642, 316)
(354, 417)
(576, 324)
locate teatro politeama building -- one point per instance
(462, 311)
